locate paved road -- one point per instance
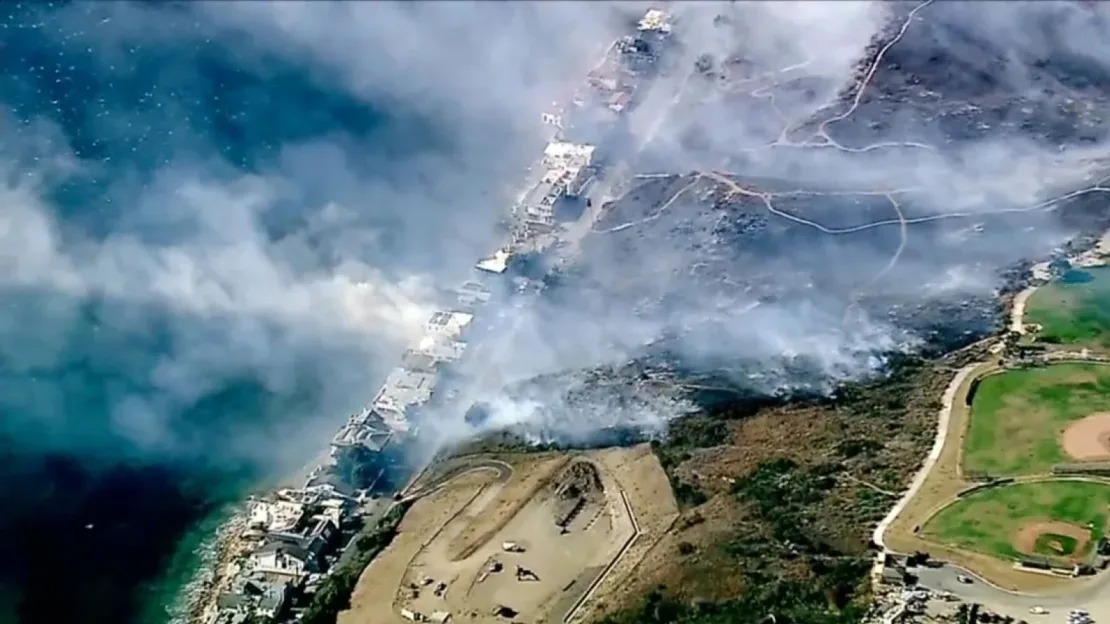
(944, 417)
(1090, 594)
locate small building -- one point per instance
(417, 361)
(655, 21)
(437, 349)
(449, 323)
(473, 294)
(334, 490)
(275, 516)
(365, 429)
(497, 263)
(559, 154)
(402, 391)
(284, 557)
(252, 594)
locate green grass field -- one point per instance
(1054, 545)
(1074, 312)
(1017, 416)
(988, 521)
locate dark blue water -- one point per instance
(128, 414)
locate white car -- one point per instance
(1038, 610)
(963, 578)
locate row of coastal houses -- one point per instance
(412, 384)
(294, 536)
(567, 168)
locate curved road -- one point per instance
(503, 471)
(1090, 594)
(943, 419)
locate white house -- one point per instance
(283, 558)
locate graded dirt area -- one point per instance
(1088, 439)
(534, 541)
(1048, 538)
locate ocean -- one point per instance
(196, 286)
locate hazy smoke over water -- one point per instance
(296, 175)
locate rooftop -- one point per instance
(472, 294)
(356, 433)
(449, 323)
(567, 154)
(655, 20)
(546, 193)
(418, 360)
(474, 287)
(403, 389)
(496, 263)
(438, 349)
(276, 516)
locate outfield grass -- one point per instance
(1073, 311)
(988, 521)
(1017, 416)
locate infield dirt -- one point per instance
(1088, 439)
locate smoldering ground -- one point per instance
(866, 222)
(217, 240)
(304, 233)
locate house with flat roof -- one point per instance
(497, 263)
(439, 349)
(655, 21)
(253, 594)
(403, 390)
(284, 558)
(276, 516)
(366, 429)
(449, 323)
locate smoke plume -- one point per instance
(207, 196)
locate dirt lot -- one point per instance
(1031, 539)
(570, 514)
(1087, 439)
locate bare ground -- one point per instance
(1087, 439)
(454, 535)
(372, 600)
(1026, 538)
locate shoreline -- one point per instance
(199, 595)
(195, 601)
(197, 598)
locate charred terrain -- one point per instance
(807, 286)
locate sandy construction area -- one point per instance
(1088, 439)
(1026, 539)
(573, 516)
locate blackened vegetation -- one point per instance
(946, 75)
(804, 489)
